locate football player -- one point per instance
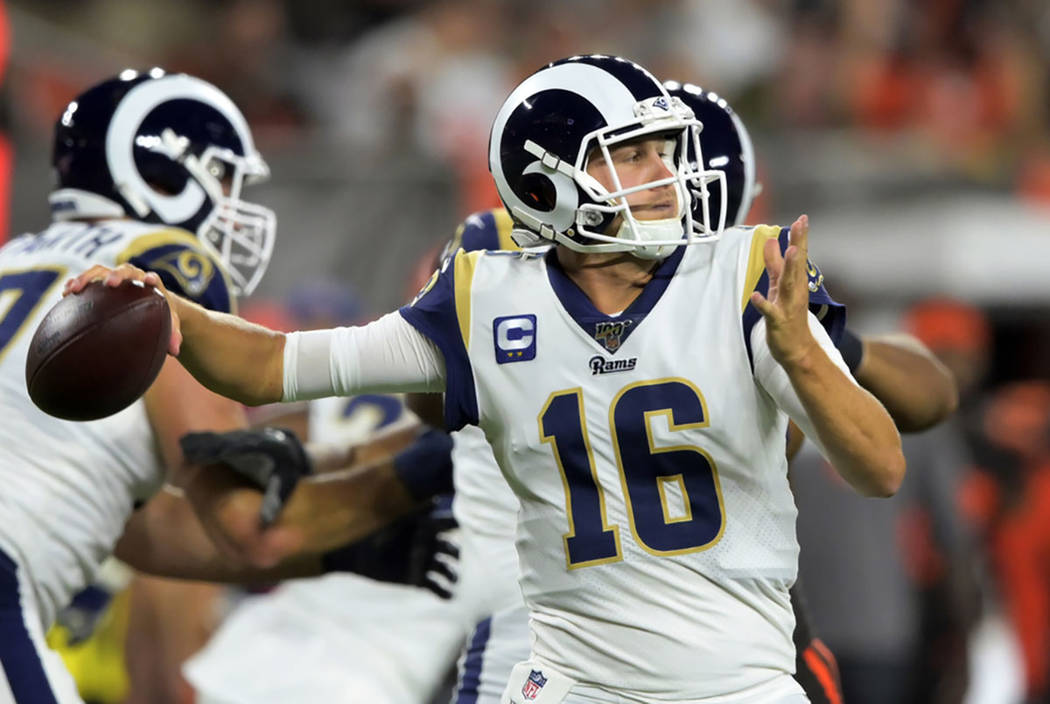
(903, 374)
(140, 162)
(635, 383)
(150, 170)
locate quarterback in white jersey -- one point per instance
(635, 384)
(485, 507)
(484, 504)
(905, 377)
(669, 467)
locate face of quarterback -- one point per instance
(635, 162)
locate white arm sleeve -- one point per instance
(387, 355)
(772, 377)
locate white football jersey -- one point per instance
(483, 505)
(487, 513)
(656, 536)
(70, 487)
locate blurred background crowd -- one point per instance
(915, 133)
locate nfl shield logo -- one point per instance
(534, 685)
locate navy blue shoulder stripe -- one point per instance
(433, 314)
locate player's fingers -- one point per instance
(800, 233)
(444, 547)
(175, 343)
(271, 505)
(771, 254)
(77, 283)
(275, 544)
(794, 275)
(766, 308)
(441, 577)
(126, 272)
(111, 277)
(438, 566)
(440, 590)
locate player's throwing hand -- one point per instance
(114, 277)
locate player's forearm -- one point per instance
(328, 511)
(916, 389)
(174, 559)
(165, 539)
(231, 356)
(855, 430)
(327, 458)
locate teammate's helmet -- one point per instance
(558, 117)
(171, 149)
(727, 146)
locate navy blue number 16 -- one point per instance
(671, 492)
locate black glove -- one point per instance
(271, 458)
(417, 549)
(436, 553)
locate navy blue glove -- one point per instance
(271, 458)
(436, 549)
(417, 549)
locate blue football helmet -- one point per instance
(565, 112)
(171, 149)
(727, 146)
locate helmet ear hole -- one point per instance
(159, 173)
(540, 191)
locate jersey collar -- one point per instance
(610, 331)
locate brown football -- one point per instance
(98, 351)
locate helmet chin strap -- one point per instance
(634, 230)
(651, 231)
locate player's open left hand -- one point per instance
(786, 306)
(113, 277)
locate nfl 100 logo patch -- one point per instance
(611, 333)
(533, 685)
(514, 338)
